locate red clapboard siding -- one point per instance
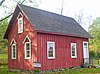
(62, 49)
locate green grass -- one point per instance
(78, 71)
(5, 70)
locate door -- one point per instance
(85, 52)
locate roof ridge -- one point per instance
(46, 11)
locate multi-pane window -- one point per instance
(27, 43)
(13, 51)
(27, 50)
(51, 50)
(73, 50)
(20, 24)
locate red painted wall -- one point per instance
(20, 62)
(62, 49)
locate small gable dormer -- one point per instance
(20, 23)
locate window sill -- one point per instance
(51, 58)
(74, 57)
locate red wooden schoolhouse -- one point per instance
(38, 38)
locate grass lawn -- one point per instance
(79, 71)
(5, 70)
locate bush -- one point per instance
(3, 59)
(98, 54)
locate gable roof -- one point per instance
(52, 22)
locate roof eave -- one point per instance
(56, 33)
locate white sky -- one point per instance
(71, 7)
(89, 7)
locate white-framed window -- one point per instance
(20, 23)
(13, 49)
(27, 47)
(27, 50)
(51, 50)
(73, 50)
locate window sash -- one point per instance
(27, 50)
(51, 52)
(73, 50)
(13, 51)
(20, 25)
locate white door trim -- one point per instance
(85, 52)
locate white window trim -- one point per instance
(12, 51)
(13, 40)
(20, 29)
(75, 51)
(19, 15)
(29, 49)
(27, 37)
(53, 50)
(19, 32)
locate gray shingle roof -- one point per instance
(52, 22)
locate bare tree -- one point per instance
(17, 2)
(83, 20)
(79, 16)
(62, 6)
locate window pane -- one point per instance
(27, 50)
(51, 50)
(28, 53)
(13, 51)
(50, 44)
(13, 47)
(13, 54)
(20, 25)
(73, 49)
(50, 53)
(73, 54)
(85, 44)
(27, 46)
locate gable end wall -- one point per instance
(20, 62)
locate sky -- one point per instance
(89, 8)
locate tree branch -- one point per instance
(11, 13)
(22, 1)
(6, 17)
(1, 2)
